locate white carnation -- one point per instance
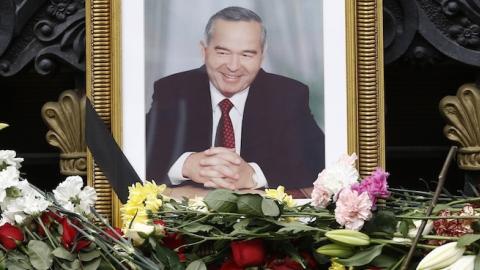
(9, 177)
(87, 196)
(68, 190)
(70, 195)
(30, 202)
(340, 175)
(8, 157)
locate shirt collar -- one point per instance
(238, 100)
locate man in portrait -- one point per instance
(230, 124)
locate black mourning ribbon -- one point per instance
(108, 155)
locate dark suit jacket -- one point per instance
(278, 129)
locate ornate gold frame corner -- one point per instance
(364, 85)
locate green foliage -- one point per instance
(221, 200)
(362, 257)
(250, 204)
(467, 239)
(40, 255)
(270, 208)
(382, 221)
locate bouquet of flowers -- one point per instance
(58, 230)
(350, 222)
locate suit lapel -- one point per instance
(200, 108)
(255, 117)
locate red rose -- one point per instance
(230, 265)
(248, 253)
(81, 244)
(10, 236)
(116, 233)
(69, 233)
(285, 264)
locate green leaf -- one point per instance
(270, 208)
(383, 261)
(197, 265)
(476, 264)
(18, 261)
(294, 227)
(168, 257)
(62, 253)
(196, 227)
(363, 257)
(404, 228)
(221, 200)
(88, 256)
(75, 265)
(250, 204)
(439, 207)
(467, 239)
(40, 255)
(105, 265)
(93, 265)
(383, 221)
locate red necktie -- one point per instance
(225, 136)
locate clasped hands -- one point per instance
(219, 167)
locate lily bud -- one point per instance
(348, 237)
(441, 257)
(336, 250)
(139, 232)
(428, 228)
(464, 263)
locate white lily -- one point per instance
(441, 257)
(464, 263)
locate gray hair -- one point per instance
(235, 14)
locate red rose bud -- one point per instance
(116, 233)
(159, 228)
(81, 244)
(10, 236)
(181, 257)
(68, 234)
(159, 222)
(248, 253)
(173, 241)
(309, 260)
(230, 265)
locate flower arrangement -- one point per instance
(349, 223)
(58, 230)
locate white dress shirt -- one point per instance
(236, 115)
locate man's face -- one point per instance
(234, 55)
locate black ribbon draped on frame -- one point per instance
(108, 155)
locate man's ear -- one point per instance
(203, 49)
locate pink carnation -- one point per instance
(353, 209)
(375, 185)
(320, 197)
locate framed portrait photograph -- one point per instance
(240, 94)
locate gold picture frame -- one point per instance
(364, 85)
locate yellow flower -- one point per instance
(280, 195)
(3, 125)
(336, 266)
(142, 197)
